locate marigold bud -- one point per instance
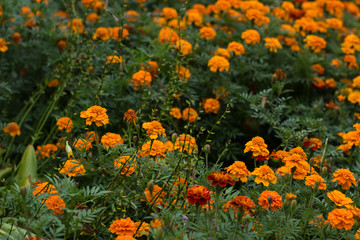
(311, 161)
(150, 186)
(69, 151)
(293, 204)
(207, 148)
(286, 177)
(324, 171)
(23, 191)
(135, 138)
(174, 136)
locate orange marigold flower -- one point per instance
(152, 67)
(189, 114)
(113, 59)
(72, 168)
(102, 33)
(251, 36)
(92, 17)
(119, 33)
(169, 145)
(198, 195)
(55, 203)
(295, 160)
(53, 83)
(207, 32)
(344, 178)
(265, 175)
(357, 234)
(111, 140)
(221, 178)
(76, 25)
(290, 196)
(341, 218)
(155, 223)
(176, 113)
(3, 45)
(168, 35)
(184, 73)
(351, 61)
(169, 13)
(242, 203)
(158, 149)
(125, 163)
(82, 144)
(130, 116)
(257, 146)
(238, 171)
(44, 187)
(12, 128)
(236, 47)
(95, 114)
(185, 142)
(184, 46)
(218, 63)
(65, 123)
(315, 179)
(92, 136)
(16, 37)
(123, 227)
(273, 197)
(272, 44)
(141, 78)
(211, 105)
(32, 238)
(315, 43)
(124, 237)
(144, 229)
(339, 198)
(132, 16)
(45, 150)
(155, 194)
(314, 143)
(154, 129)
(222, 52)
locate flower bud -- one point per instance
(150, 187)
(311, 161)
(324, 171)
(286, 177)
(185, 218)
(270, 199)
(69, 151)
(195, 151)
(23, 191)
(293, 204)
(135, 138)
(207, 148)
(174, 136)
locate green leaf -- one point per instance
(5, 171)
(27, 167)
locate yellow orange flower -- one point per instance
(102, 33)
(44, 187)
(83, 144)
(113, 59)
(184, 73)
(168, 35)
(184, 46)
(265, 175)
(72, 168)
(251, 36)
(189, 114)
(221, 178)
(258, 147)
(65, 123)
(123, 227)
(236, 48)
(238, 171)
(155, 195)
(154, 129)
(339, 198)
(76, 25)
(156, 223)
(198, 195)
(12, 128)
(111, 140)
(276, 200)
(144, 229)
(141, 78)
(125, 163)
(295, 160)
(272, 44)
(55, 203)
(207, 33)
(211, 105)
(92, 17)
(45, 150)
(315, 43)
(344, 178)
(130, 116)
(218, 63)
(341, 218)
(176, 113)
(222, 52)
(315, 179)
(185, 142)
(158, 149)
(3, 45)
(95, 114)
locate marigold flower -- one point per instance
(113, 59)
(194, 17)
(211, 105)
(144, 229)
(221, 178)
(32, 238)
(272, 44)
(111, 140)
(130, 116)
(258, 147)
(154, 129)
(53, 83)
(91, 136)
(152, 67)
(295, 160)
(72, 168)
(16, 37)
(92, 17)
(44, 187)
(132, 16)
(76, 25)
(290, 196)
(12, 128)
(184, 73)
(123, 227)
(95, 114)
(156, 223)
(102, 33)
(341, 218)
(344, 178)
(156, 194)
(118, 33)
(339, 198)
(251, 36)
(238, 171)
(276, 203)
(169, 13)
(65, 123)
(314, 143)
(265, 175)
(45, 150)
(315, 179)
(184, 46)
(357, 234)
(141, 78)
(175, 112)
(351, 61)
(198, 195)
(125, 163)
(315, 43)
(242, 203)
(185, 142)
(236, 47)
(218, 63)
(207, 32)
(3, 45)
(158, 149)
(167, 34)
(189, 114)
(83, 144)
(124, 237)
(55, 203)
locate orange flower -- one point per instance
(92, 136)
(273, 197)
(189, 114)
(339, 198)
(198, 195)
(222, 52)
(3, 43)
(341, 218)
(92, 17)
(95, 114)
(123, 227)
(113, 59)
(251, 36)
(168, 35)
(290, 196)
(76, 25)
(344, 178)
(12, 128)
(102, 33)
(152, 67)
(315, 179)
(211, 105)
(176, 113)
(124, 163)
(156, 223)
(53, 83)
(315, 43)
(132, 16)
(357, 234)
(296, 160)
(185, 142)
(237, 48)
(119, 33)
(218, 63)
(265, 175)
(44, 187)
(238, 171)
(130, 116)
(65, 123)
(207, 32)
(221, 178)
(16, 37)
(111, 140)
(258, 148)
(184, 73)
(314, 143)
(242, 203)
(55, 203)
(125, 237)
(155, 194)
(32, 238)
(184, 46)
(141, 78)
(154, 129)
(61, 45)
(144, 229)
(83, 144)
(72, 168)
(158, 149)
(272, 44)
(351, 61)
(45, 150)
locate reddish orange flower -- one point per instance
(130, 116)
(314, 143)
(270, 196)
(12, 128)
(55, 203)
(198, 195)
(221, 178)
